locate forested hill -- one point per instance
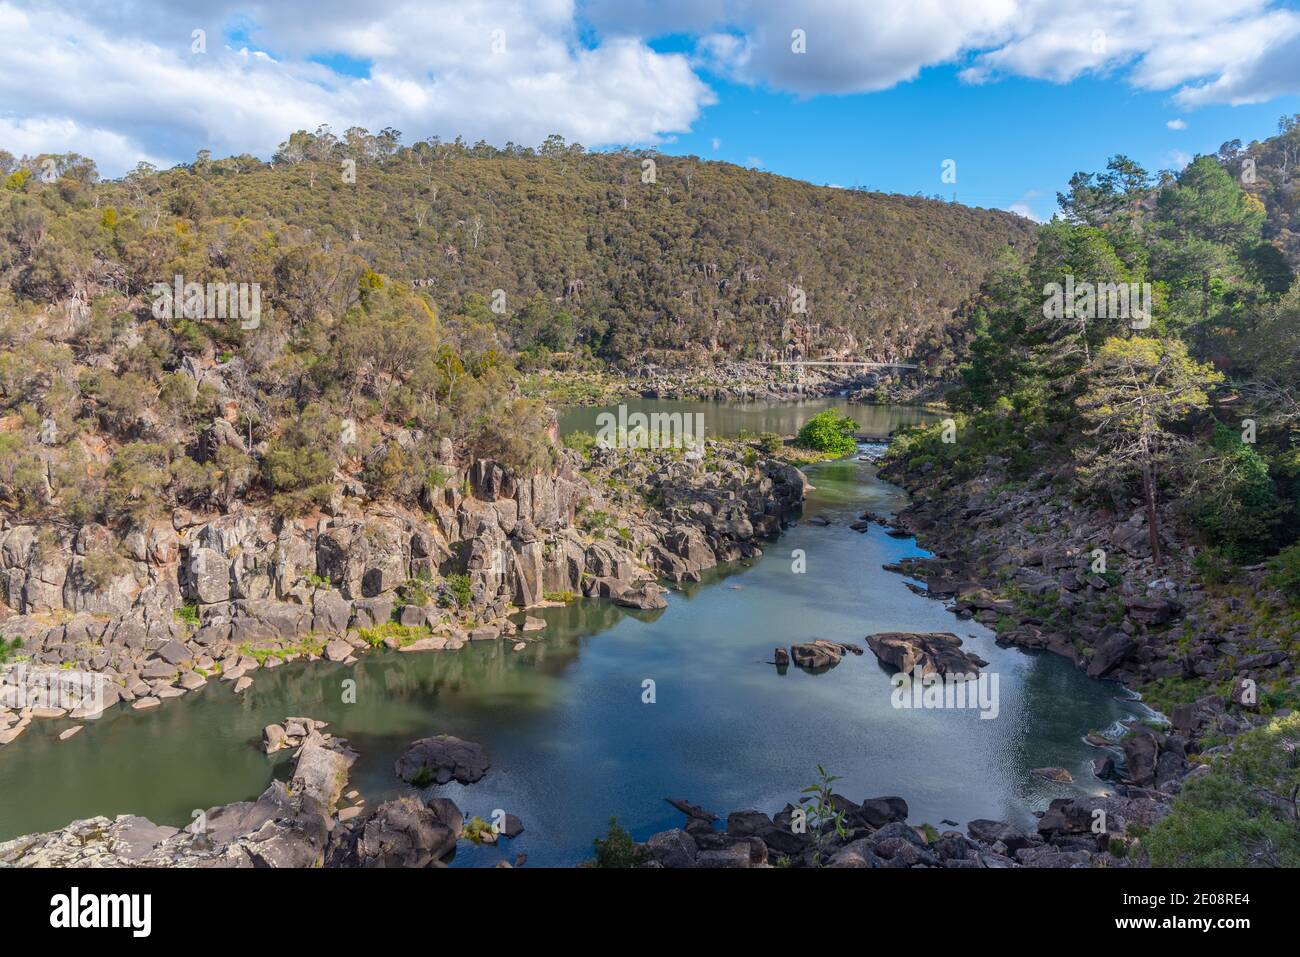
(620, 252)
(1270, 170)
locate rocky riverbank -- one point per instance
(310, 820)
(734, 380)
(875, 833)
(1049, 573)
(219, 596)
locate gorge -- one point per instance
(570, 739)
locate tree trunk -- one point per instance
(1149, 497)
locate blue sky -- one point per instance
(1019, 94)
(1015, 142)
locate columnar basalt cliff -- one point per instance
(208, 595)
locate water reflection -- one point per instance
(564, 723)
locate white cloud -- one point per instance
(119, 81)
(1024, 206)
(1177, 124)
(124, 86)
(1207, 51)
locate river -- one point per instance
(572, 740)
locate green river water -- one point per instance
(564, 723)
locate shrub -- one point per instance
(515, 435)
(188, 614)
(476, 829)
(8, 647)
(770, 442)
(1284, 573)
(1214, 567)
(405, 634)
(299, 463)
(135, 482)
(1230, 498)
(583, 442)
(416, 591)
(1239, 814)
(100, 568)
(830, 432)
(457, 588)
(616, 849)
(296, 467)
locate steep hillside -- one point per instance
(619, 252)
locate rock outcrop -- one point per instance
(440, 759)
(876, 835)
(933, 653)
(178, 603)
(289, 826)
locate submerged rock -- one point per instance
(1060, 775)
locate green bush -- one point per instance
(1237, 815)
(405, 634)
(583, 442)
(135, 482)
(457, 588)
(299, 463)
(417, 590)
(1230, 498)
(8, 647)
(770, 442)
(616, 849)
(188, 614)
(477, 829)
(1284, 573)
(830, 432)
(1214, 567)
(100, 568)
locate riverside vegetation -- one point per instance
(185, 498)
(1130, 497)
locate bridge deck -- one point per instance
(828, 362)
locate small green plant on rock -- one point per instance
(8, 647)
(378, 635)
(616, 849)
(457, 589)
(423, 778)
(100, 568)
(188, 614)
(476, 829)
(824, 818)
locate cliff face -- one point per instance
(224, 594)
